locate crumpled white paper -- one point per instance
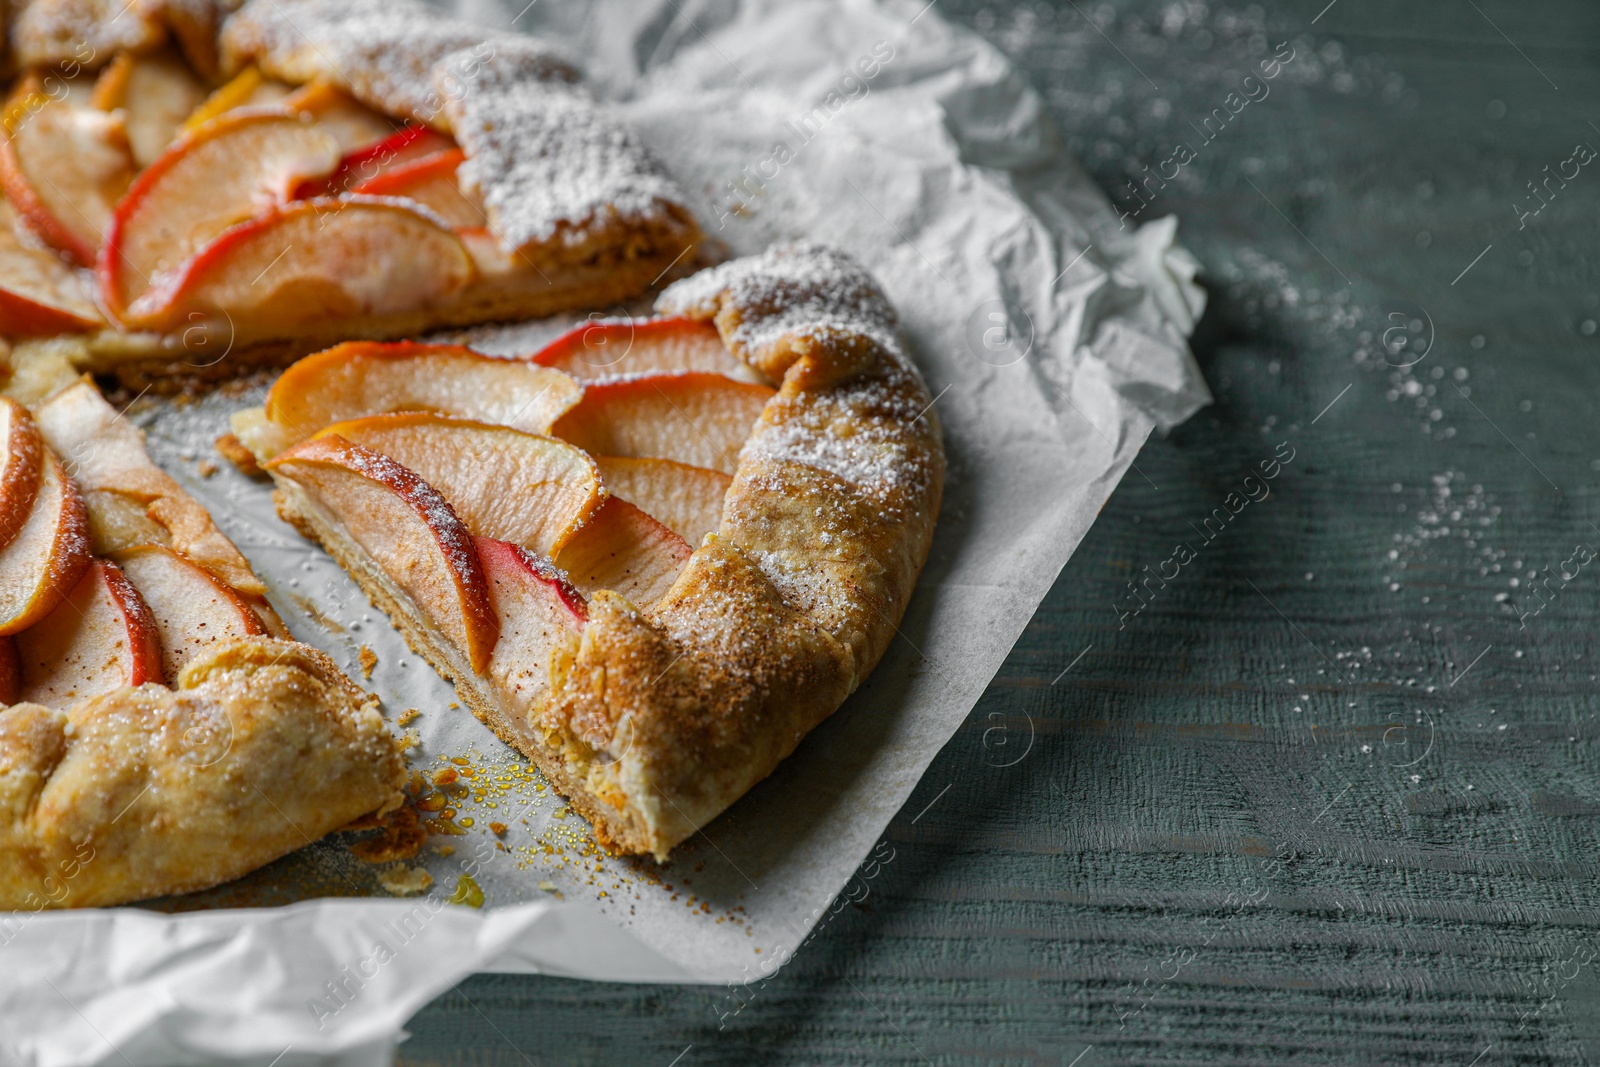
(1054, 340)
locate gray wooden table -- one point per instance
(1330, 794)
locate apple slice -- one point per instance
(641, 346)
(624, 550)
(48, 555)
(695, 418)
(119, 521)
(352, 124)
(227, 172)
(10, 672)
(362, 378)
(539, 613)
(494, 261)
(64, 166)
(191, 609)
(156, 93)
(687, 500)
(409, 532)
(300, 266)
(430, 181)
(40, 294)
(100, 638)
(249, 88)
(404, 146)
(531, 491)
(19, 468)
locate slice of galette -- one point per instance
(159, 730)
(655, 554)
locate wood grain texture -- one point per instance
(1332, 796)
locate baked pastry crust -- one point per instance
(577, 213)
(259, 746)
(664, 714)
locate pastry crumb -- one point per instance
(368, 660)
(401, 839)
(409, 716)
(207, 468)
(405, 881)
(234, 451)
(445, 777)
(499, 828)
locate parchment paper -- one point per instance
(1055, 341)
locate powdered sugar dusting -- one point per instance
(801, 290)
(386, 52)
(865, 431)
(549, 161)
(80, 32)
(452, 536)
(551, 164)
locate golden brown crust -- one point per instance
(262, 747)
(680, 709)
(80, 34)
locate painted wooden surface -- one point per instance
(1330, 796)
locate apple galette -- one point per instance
(159, 730)
(655, 554)
(186, 183)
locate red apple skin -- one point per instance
(21, 317)
(61, 641)
(441, 270)
(113, 265)
(34, 214)
(25, 101)
(480, 625)
(10, 672)
(19, 478)
(65, 540)
(629, 346)
(405, 145)
(191, 607)
(503, 557)
(142, 629)
(34, 282)
(519, 487)
(395, 180)
(431, 182)
(540, 614)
